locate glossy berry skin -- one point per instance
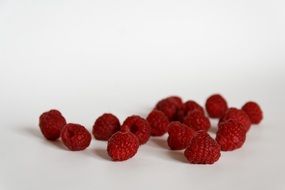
(231, 135)
(216, 106)
(122, 146)
(75, 137)
(158, 122)
(105, 126)
(170, 106)
(197, 121)
(237, 115)
(254, 112)
(51, 124)
(179, 135)
(138, 126)
(203, 150)
(191, 105)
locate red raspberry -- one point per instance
(179, 115)
(176, 100)
(170, 106)
(51, 124)
(254, 112)
(105, 126)
(138, 126)
(75, 137)
(237, 115)
(231, 135)
(216, 106)
(197, 120)
(122, 146)
(203, 150)
(158, 122)
(180, 135)
(191, 105)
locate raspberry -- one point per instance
(231, 135)
(203, 150)
(237, 115)
(179, 115)
(105, 126)
(254, 112)
(216, 106)
(122, 146)
(51, 124)
(180, 135)
(167, 107)
(197, 120)
(170, 106)
(138, 126)
(158, 122)
(176, 100)
(191, 105)
(75, 137)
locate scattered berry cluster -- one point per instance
(74, 136)
(186, 123)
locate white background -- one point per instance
(90, 57)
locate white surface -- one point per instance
(122, 56)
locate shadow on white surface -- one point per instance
(159, 142)
(37, 134)
(177, 156)
(213, 130)
(102, 153)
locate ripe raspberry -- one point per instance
(191, 105)
(51, 124)
(216, 106)
(203, 150)
(180, 135)
(138, 126)
(170, 106)
(254, 112)
(176, 100)
(237, 115)
(122, 146)
(105, 126)
(231, 135)
(179, 115)
(75, 137)
(158, 122)
(197, 120)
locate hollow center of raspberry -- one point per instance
(134, 129)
